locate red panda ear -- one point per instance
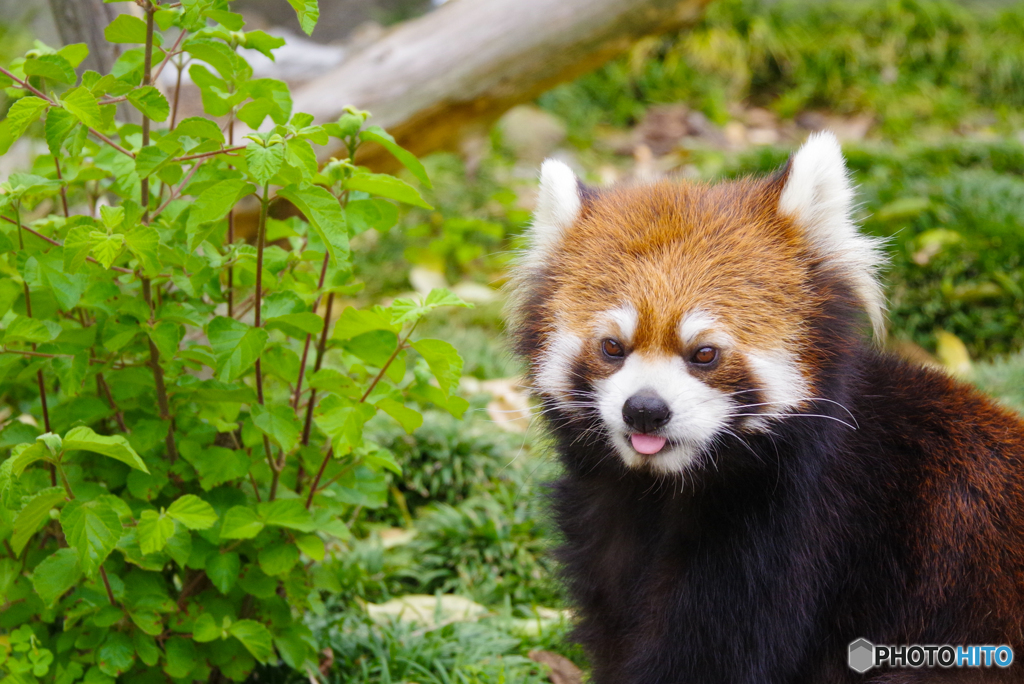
(817, 194)
(559, 203)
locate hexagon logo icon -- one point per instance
(862, 655)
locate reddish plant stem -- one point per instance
(106, 583)
(158, 380)
(204, 155)
(305, 348)
(321, 350)
(231, 232)
(319, 474)
(63, 190)
(261, 240)
(170, 53)
(174, 193)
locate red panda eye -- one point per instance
(705, 355)
(613, 348)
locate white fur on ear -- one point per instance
(558, 205)
(819, 196)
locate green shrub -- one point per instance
(186, 438)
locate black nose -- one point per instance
(646, 412)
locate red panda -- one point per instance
(749, 484)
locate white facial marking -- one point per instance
(619, 323)
(558, 206)
(819, 196)
(554, 376)
(700, 326)
(778, 374)
(698, 411)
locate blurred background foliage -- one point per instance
(928, 99)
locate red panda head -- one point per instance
(678, 312)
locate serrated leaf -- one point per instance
(296, 325)
(180, 655)
(408, 159)
(23, 329)
(236, 346)
(354, 322)
(151, 102)
(150, 159)
(20, 116)
(84, 439)
(265, 43)
(91, 528)
(56, 574)
(406, 417)
(76, 248)
(34, 515)
(312, 546)
(75, 53)
(112, 217)
(444, 361)
(279, 423)
(59, 124)
(166, 336)
(223, 569)
(53, 67)
(144, 243)
(240, 523)
(126, 28)
(263, 162)
(145, 646)
(370, 213)
(343, 420)
(83, 105)
(117, 655)
(290, 513)
(24, 455)
(199, 128)
(308, 12)
(106, 248)
(278, 559)
(384, 185)
(212, 205)
(206, 628)
(255, 637)
(193, 512)
(67, 289)
(154, 529)
(324, 213)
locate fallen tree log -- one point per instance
(451, 73)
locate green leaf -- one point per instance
(296, 325)
(255, 637)
(34, 515)
(324, 213)
(20, 116)
(312, 546)
(265, 43)
(144, 243)
(205, 628)
(407, 418)
(355, 322)
(117, 447)
(180, 654)
(240, 523)
(444, 361)
(59, 124)
(23, 329)
(308, 13)
(154, 529)
(75, 53)
(166, 336)
(278, 558)
(223, 569)
(145, 646)
(56, 574)
(193, 512)
(24, 455)
(76, 248)
(263, 162)
(408, 159)
(370, 213)
(290, 513)
(212, 205)
(54, 67)
(126, 28)
(343, 420)
(199, 128)
(386, 186)
(112, 217)
(106, 248)
(67, 289)
(91, 528)
(279, 423)
(214, 464)
(236, 346)
(83, 105)
(151, 102)
(117, 654)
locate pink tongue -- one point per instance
(647, 444)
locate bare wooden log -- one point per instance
(432, 80)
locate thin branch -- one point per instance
(58, 243)
(261, 239)
(174, 193)
(25, 85)
(173, 51)
(204, 155)
(158, 378)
